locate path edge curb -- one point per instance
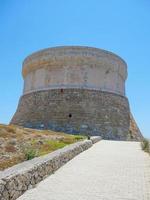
(15, 180)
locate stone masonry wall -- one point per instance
(134, 129)
(16, 180)
(76, 111)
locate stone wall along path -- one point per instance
(110, 170)
(15, 180)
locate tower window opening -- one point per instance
(70, 115)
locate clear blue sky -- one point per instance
(121, 26)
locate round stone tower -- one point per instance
(79, 90)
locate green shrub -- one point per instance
(88, 137)
(145, 145)
(30, 154)
(49, 146)
(79, 137)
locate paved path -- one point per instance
(108, 171)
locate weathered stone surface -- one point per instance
(134, 129)
(92, 112)
(16, 180)
(74, 67)
(95, 139)
(79, 90)
(2, 187)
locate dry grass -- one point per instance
(18, 144)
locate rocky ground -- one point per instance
(18, 144)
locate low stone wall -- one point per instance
(16, 180)
(95, 139)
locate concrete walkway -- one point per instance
(109, 170)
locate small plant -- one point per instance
(79, 137)
(145, 145)
(30, 154)
(88, 137)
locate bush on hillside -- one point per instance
(145, 145)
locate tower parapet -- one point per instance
(74, 67)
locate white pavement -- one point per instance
(109, 170)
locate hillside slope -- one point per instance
(18, 144)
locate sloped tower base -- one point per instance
(77, 111)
